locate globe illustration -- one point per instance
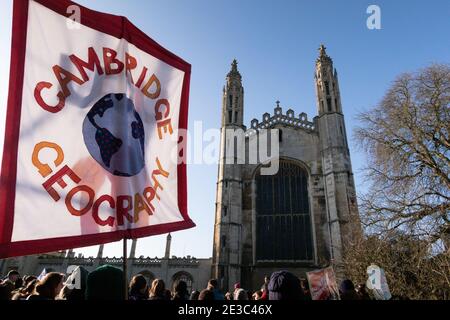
(114, 135)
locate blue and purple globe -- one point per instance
(114, 134)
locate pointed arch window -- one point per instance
(283, 220)
(223, 242)
(327, 88)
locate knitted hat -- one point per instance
(284, 285)
(105, 283)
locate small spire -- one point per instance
(234, 65)
(234, 70)
(323, 54)
(168, 241)
(322, 50)
(278, 103)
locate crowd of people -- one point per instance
(106, 283)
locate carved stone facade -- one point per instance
(303, 217)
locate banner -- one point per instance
(96, 120)
(322, 284)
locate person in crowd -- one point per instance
(158, 290)
(12, 276)
(207, 295)
(180, 291)
(6, 289)
(228, 296)
(362, 292)
(167, 294)
(8, 285)
(347, 291)
(18, 284)
(305, 288)
(28, 279)
(64, 294)
(265, 288)
(214, 287)
(105, 283)
(240, 294)
(24, 292)
(284, 285)
(138, 288)
(49, 287)
(194, 295)
(236, 287)
(257, 295)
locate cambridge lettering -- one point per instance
(150, 86)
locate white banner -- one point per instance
(101, 108)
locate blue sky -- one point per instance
(275, 43)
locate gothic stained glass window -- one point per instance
(283, 220)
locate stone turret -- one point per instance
(340, 197)
(228, 219)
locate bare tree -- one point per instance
(406, 138)
(411, 271)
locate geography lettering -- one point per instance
(127, 206)
(93, 116)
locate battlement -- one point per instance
(278, 117)
(81, 260)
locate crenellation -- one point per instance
(288, 119)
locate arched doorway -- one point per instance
(283, 218)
